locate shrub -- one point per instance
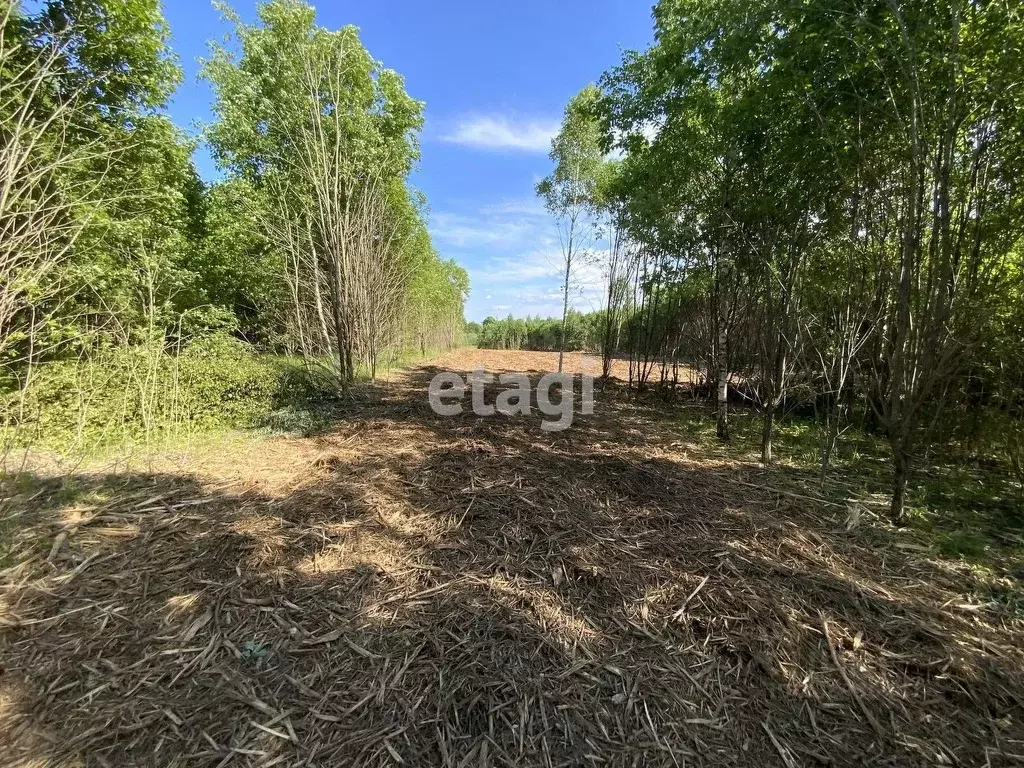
(145, 392)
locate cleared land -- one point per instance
(409, 589)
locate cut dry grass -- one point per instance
(414, 590)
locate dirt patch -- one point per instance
(411, 589)
(519, 361)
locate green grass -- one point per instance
(128, 397)
(962, 543)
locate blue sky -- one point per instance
(495, 78)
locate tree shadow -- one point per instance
(461, 590)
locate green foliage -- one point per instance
(577, 156)
(134, 267)
(962, 544)
(236, 266)
(582, 332)
(143, 393)
(262, 101)
(842, 180)
(434, 302)
(118, 49)
(129, 186)
(131, 328)
(324, 137)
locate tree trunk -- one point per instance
(901, 476)
(828, 442)
(320, 310)
(723, 380)
(344, 359)
(766, 435)
(565, 305)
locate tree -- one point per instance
(236, 266)
(679, 179)
(930, 125)
(570, 192)
(845, 172)
(92, 176)
(327, 136)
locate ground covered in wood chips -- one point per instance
(407, 589)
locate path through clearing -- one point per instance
(417, 590)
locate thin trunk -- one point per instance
(723, 380)
(319, 302)
(565, 296)
(722, 359)
(901, 477)
(766, 435)
(344, 359)
(830, 436)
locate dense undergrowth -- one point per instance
(128, 396)
(140, 394)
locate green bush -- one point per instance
(224, 383)
(141, 393)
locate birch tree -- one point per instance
(570, 192)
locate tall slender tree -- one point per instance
(570, 192)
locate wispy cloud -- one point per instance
(516, 270)
(503, 133)
(531, 282)
(462, 231)
(522, 207)
(505, 227)
(512, 251)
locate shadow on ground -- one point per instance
(466, 591)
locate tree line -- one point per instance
(816, 202)
(576, 331)
(311, 243)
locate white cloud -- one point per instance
(507, 227)
(463, 231)
(497, 132)
(523, 268)
(511, 249)
(530, 206)
(531, 283)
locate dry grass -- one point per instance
(413, 590)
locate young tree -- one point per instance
(932, 125)
(681, 175)
(39, 191)
(880, 137)
(616, 267)
(90, 173)
(570, 192)
(306, 114)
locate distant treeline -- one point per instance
(582, 332)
